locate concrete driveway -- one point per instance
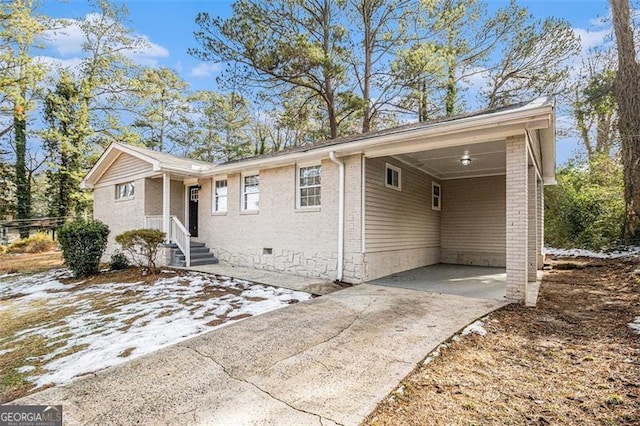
(470, 281)
(325, 361)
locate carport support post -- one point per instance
(532, 239)
(540, 224)
(166, 203)
(517, 218)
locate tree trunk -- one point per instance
(23, 188)
(366, 84)
(627, 92)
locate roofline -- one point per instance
(538, 117)
(91, 178)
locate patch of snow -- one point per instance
(5, 351)
(476, 327)
(136, 317)
(613, 254)
(635, 325)
(25, 369)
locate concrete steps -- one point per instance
(200, 255)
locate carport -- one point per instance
(460, 196)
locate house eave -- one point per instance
(463, 131)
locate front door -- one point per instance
(194, 192)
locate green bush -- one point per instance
(586, 208)
(142, 245)
(119, 261)
(83, 244)
(37, 243)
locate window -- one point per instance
(309, 186)
(220, 196)
(250, 192)
(125, 190)
(436, 195)
(392, 177)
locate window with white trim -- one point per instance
(250, 192)
(125, 190)
(220, 196)
(309, 186)
(436, 196)
(392, 176)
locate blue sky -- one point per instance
(169, 27)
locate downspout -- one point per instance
(332, 156)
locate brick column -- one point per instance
(532, 238)
(540, 225)
(517, 221)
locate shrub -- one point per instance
(142, 245)
(3, 249)
(37, 243)
(119, 261)
(83, 244)
(586, 208)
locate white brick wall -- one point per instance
(517, 218)
(303, 242)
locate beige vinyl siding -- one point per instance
(125, 165)
(473, 221)
(399, 220)
(401, 230)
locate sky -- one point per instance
(169, 25)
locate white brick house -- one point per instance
(461, 190)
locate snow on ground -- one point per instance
(635, 325)
(613, 254)
(475, 327)
(114, 322)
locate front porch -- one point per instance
(171, 205)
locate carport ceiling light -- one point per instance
(465, 159)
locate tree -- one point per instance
(223, 121)
(160, 103)
(106, 71)
(594, 106)
(627, 93)
(279, 46)
(66, 144)
(533, 60)
(21, 27)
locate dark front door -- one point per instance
(194, 192)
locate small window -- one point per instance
(250, 192)
(436, 195)
(125, 190)
(220, 196)
(194, 194)
(393, 176)
(309, 187)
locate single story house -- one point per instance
(462, 190)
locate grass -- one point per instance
(570, 360)
(30, 262)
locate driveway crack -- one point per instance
(328, 339)
(266, 392)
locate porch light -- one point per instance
(465, 159)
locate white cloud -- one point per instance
(204, 70)
(591, 39)
(69, 38)
(66, 40)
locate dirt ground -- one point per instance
(571, 360)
